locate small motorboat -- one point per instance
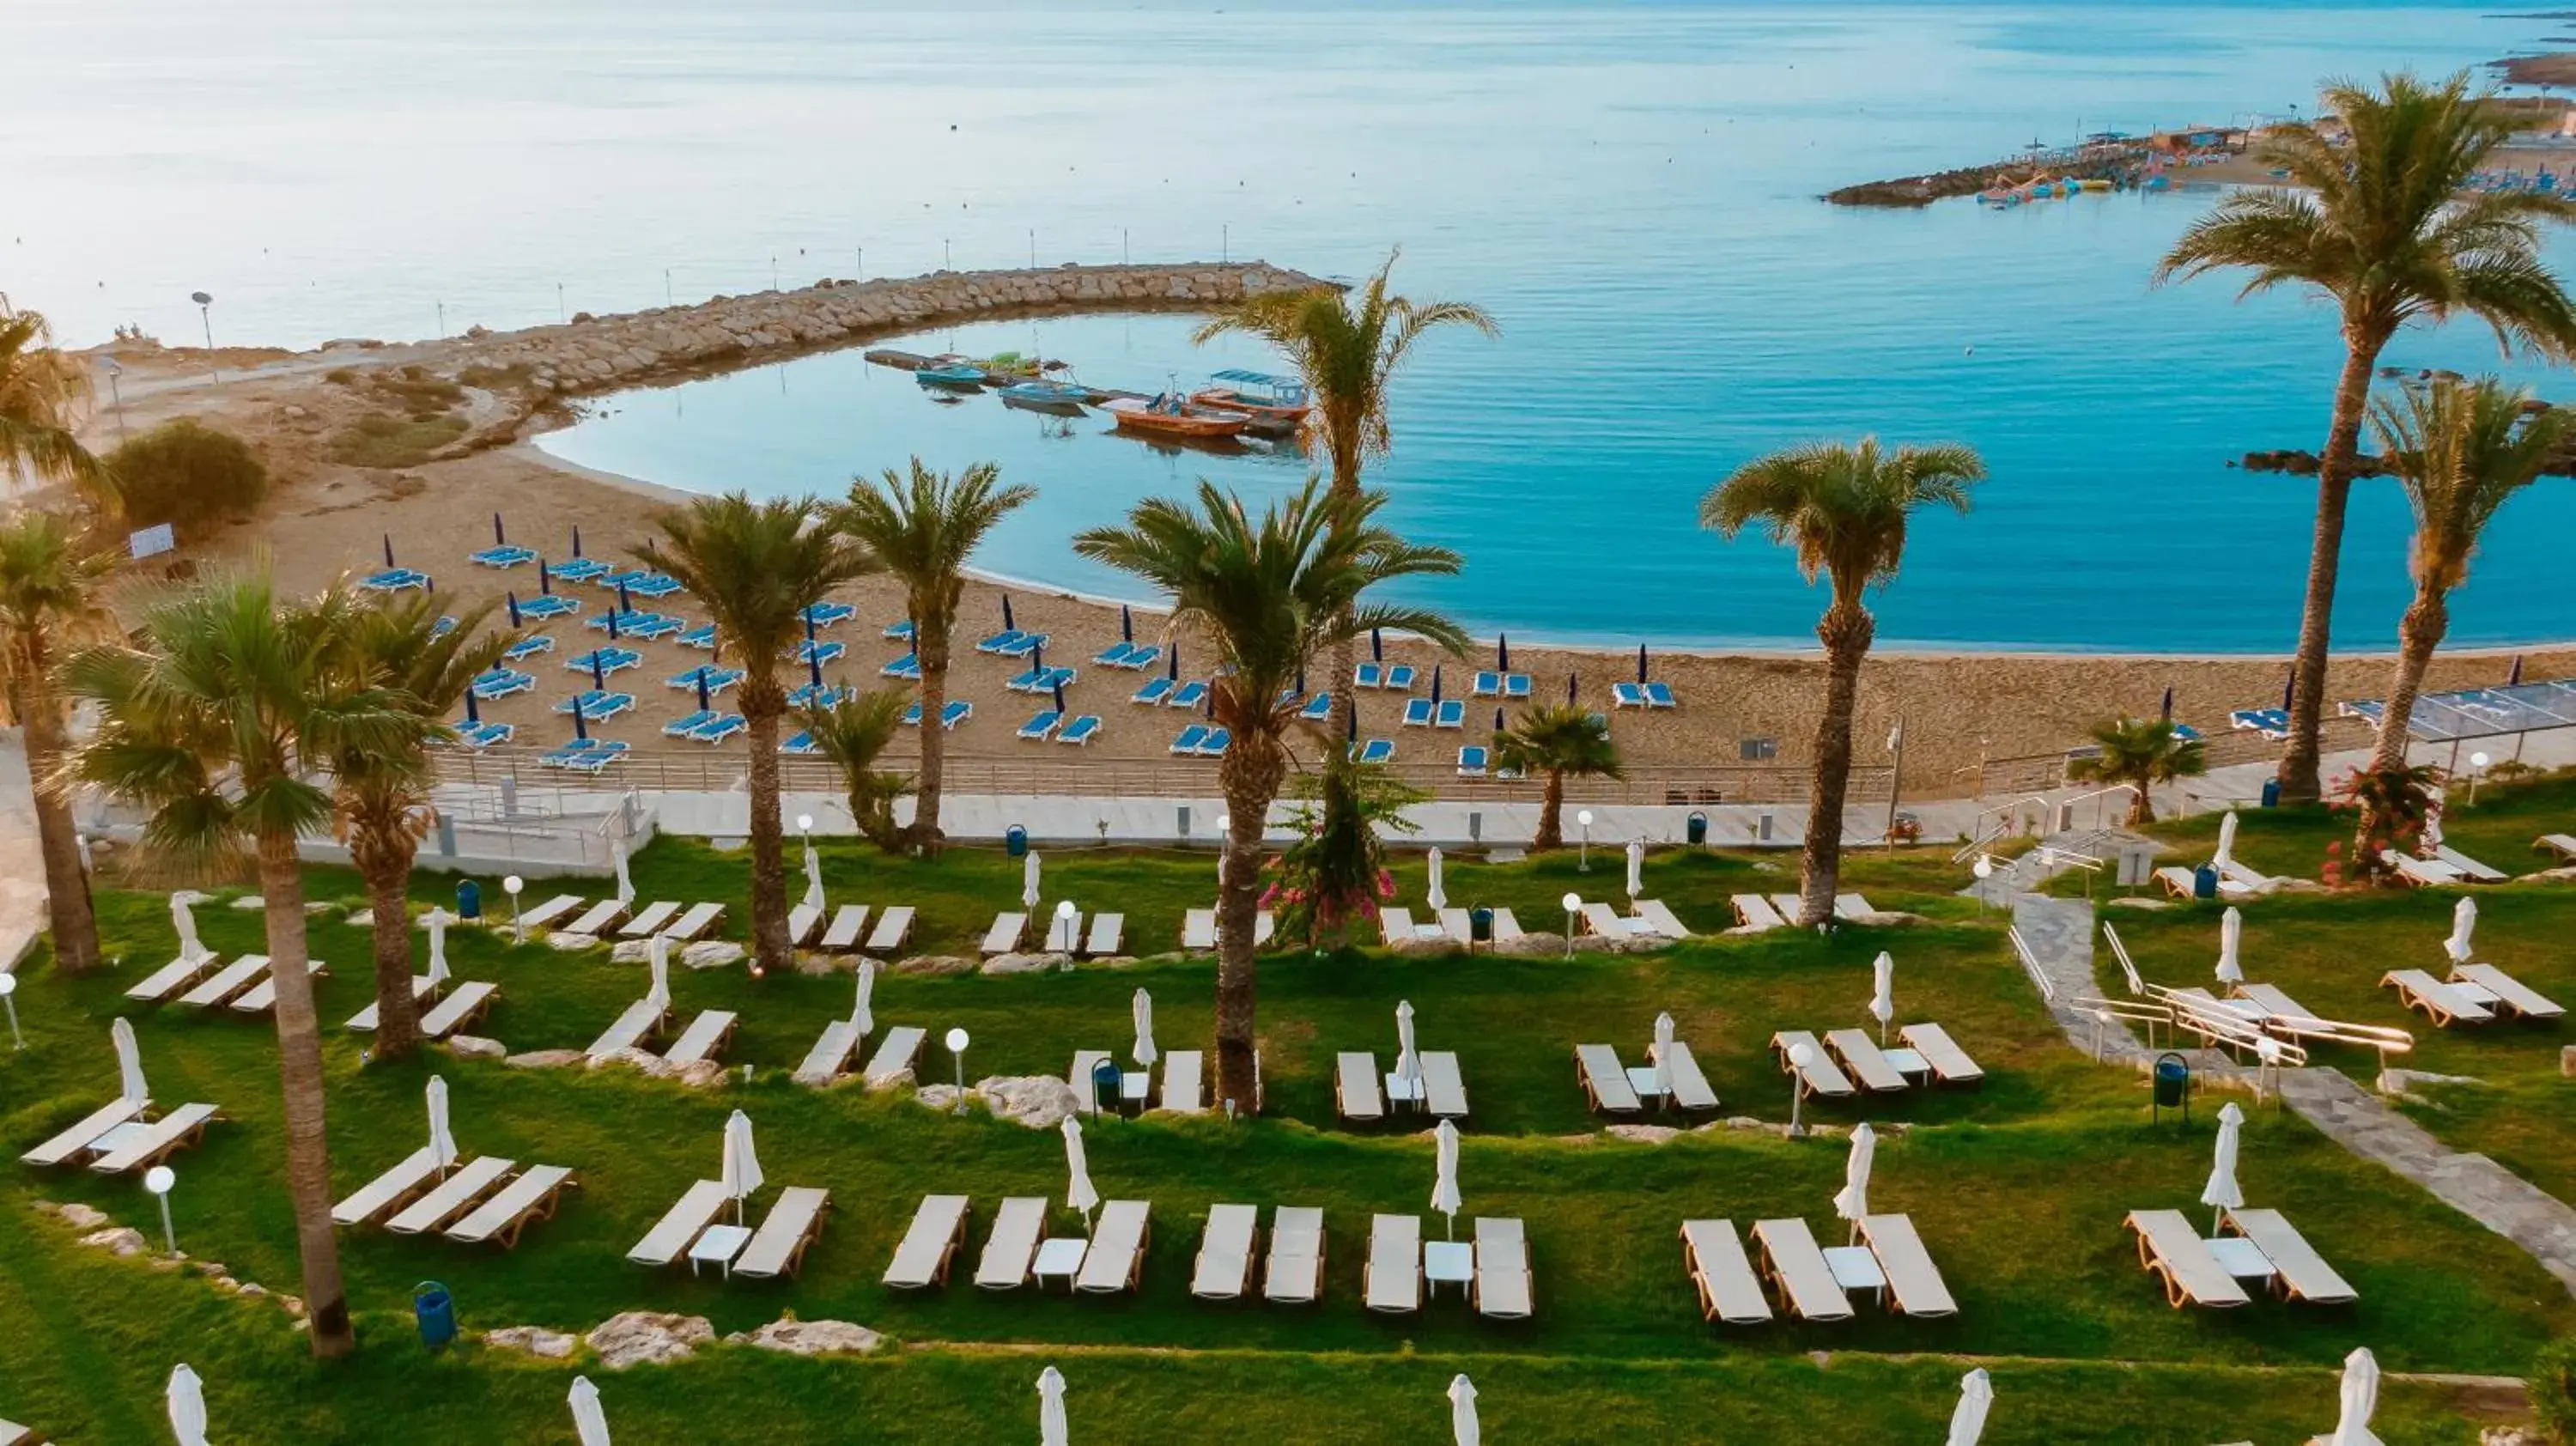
(1257, 393)
(1011, 364)
(947, 371)
(1172, 415)
(1045, 396)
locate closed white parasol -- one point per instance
(2226, 855)
(1882, 999)
(1852, 1201)
(1438, 896)
(1029, 869)
(1664, 1056)
(813, 876)
(861, 1021)
(625, 880)
(130, 1084)
(589, 1423)
(1077, 1171)
(1146, 1054)
(1408, 1065)
(187, 1398)
(1976, 1398)
(1462, 1412)
(2464, 927)
(741, 1162)
(2222, 1192)
(1444, 1182)
(436, 919)
(2231, 938)
(659, 951)
(1636, 869)
(2360, 1398)
(442, 1142)
(184, 920)
(1053, 1430)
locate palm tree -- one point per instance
(49, 603)
(1347, 346)
(40, 390)
(1845, 509)
(922, 529)
(854, 733)
(1560, 741)
(211, 722)
(381, 794)
(2140, 753)
(757, 566)
(1272, 594)
(2385, 227)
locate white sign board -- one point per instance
(152, 541)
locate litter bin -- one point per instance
(2271, 793)
(1108, 1087)
(1015, 841)
(2204, 882)
(469, 899)
(1480, 925)
(1695, 827)
(2172, 1085)
(436, 1311)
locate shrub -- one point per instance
(387, 440)
(186, 473)
(2553, 1391)
(339, 376)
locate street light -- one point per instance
(206, 315)
(1801, 1055)
(1573, 906)
(115, 393)
(1985, 869)
(511, 886)
(1065, 914)
(2477, 765)
(158, 1180)
(1583, 856)
(805, 824)
(957, 1043)
(8, 989)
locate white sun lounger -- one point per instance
(387, 1190)
(649, 922)
(630, 1030)
(1460, 929)
(1862, 1055)
(544, 915)
(1791, 908)
(364, 1021)
(778, 1247)
(1950, 1064)
(2421, 873)
(2562, 845)
(1395, 926)
(226, 982)
(1729, 1291)
(1752, 911)
(1395, 1263)
(1599, 919)
(1063, 934)
(2297, 1270)
(148, 1145)
(13, 1434)
(1224, 1267)
(896, 1056)
(1820, 1077)
(693, 925)
(1506, 928)
(261, 997)
(1198, 929)
(2274, 1002)
(1660, 919)
(1116, 1259)
(2503, 989)
(1914, 1284)
(2469, 868)
(704, 1039)
(894, 928)
(1797, 1268)
(681, 1225)
(1443, 1093)
(1295, 1273)
(1013, 1244)
(512, 1209)
(800, 924)
(849, 924)
(461, 1188)
(2172, 1251)
(2444, 1004)
(84, 1133)
(1502, 1269)
(1183, 1090)
(829, 1056)
(599, 918)
(1604, 1080)
(170, 978)
(462, 1005)
(1691, 1091)
(922, 1260)
(1108, 932)
(1078, 1076)
(1356, 1094)
(1005, 935)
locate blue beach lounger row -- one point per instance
(1395, 676)
(501, 683)
(507, 556)
(1471, 762)
(907, 667)
(578, 569)
(1502, 685)
(529, 647)
(608, 660)
(717, 679)
(595, 705)
(1134, 657)
(395, 579)
(809, 696)
(549, 605)
(1375, 750)
(957, 711)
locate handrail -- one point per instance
(2120, 951)
(2030, 966)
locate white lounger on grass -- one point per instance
(170, 978)
(2468, 868)
(1797, 1268)
(514, 1207)
(1078, 1077)
(929, 1245)
(599, 918)
(1443, 1093)
(893, 930)
(630, 1030)
(2172, 1251)
(1183, 1092)
(1950, 1064)
(1012, 1246)
(2297, 1270)
(1604, 1080)
(133, 1146)
(1224, 1267)
(1295, 1274)
(2444, 1004)
(1108, 932)
(778, 1247)
(1395, 1263)
(1356, 1095)
(849, 924)
(704, 1039)
(84, 1132)
(1599, 919)
(801, 922)
(1506, 927)
(2502, 989)
(1914, 1284)
(226, 982)
(1729, 1291)
(1691, 1091)
(364, 1021)
(1116, 1259)
(1752, 911)
(387, 1190)
(1005, 935)
(1862, 1056)
(896, 1055)
(544, 915)
(261, 997)
(693, 925)
(1820, 1077)
(1502, 1269)
(1063, 933)
(1661, 920)
(1198, 929)
(2562, 845)
(461, 1007)
(649, 923)
(462, 1187)
(830, 1055)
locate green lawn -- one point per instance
(2496, 830)
(2018, 1190)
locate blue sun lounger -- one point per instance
(1023, 645)
(1141, 656)
(1471, 762)
(479, 736)
(597, 759)
(1317, 709)
(911, 716)
(1489, 685)
(1516, 685)
(563, 757)
(1659, 694)
(701, 636)
(1417, 713)
(1187, 744)
(1156, 690)
(1115, 655)
(1001, 641)
(1215, 743)
(907, 667)
(505, 556)
(829, 614)
(1188, 695)
(1042, 727)
(579, 569)
(2272, 723)
(1079, 730)
(549, 605)
(1375, 750)
(809, 696)
(529, 647)
(957, 711)
(687, 723)
(1627, 695)
(626, 621)
(1399, 677)
(441, 628)
(815, 654)
(801, 744)
(395, 579)
(652, 585)
(1369, 675)
(609, 660)
(719, 728)
(595, 705)
(1032, 681)
(900, 632)
(718, 679)
(655, 626)
(501, 683)
(1452, 714)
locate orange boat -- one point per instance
(1258, 393)
(1169, 415)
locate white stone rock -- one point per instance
(934, 964)
(82, 1217)
(711, 954)
(937, 1097)
(535, 1340)
(642, 1337)
(571, 943)
(1644, 1134)
(1027, 963)
(547, 1059)
(475, 1046)
(1040, 1102)
(811, 1338)
(361, 919)
(631, 951)
(116, 1240)
(248, 902)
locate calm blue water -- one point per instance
(1627, 187)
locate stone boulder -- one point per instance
(475, 1046)
(1417, 948)
(535, 1340)
(1644, 1134)
(648, 1338)
(934, 964)
(938, 1097)
(1534, 946)
(631, 951)
(1027, 963)
(360, 919)
(711, 954)
(810, 1338)
(571, 943)
(547, 1059)
(81, 1217)
(1039, 1101)
(117, 1240)
(250, 901)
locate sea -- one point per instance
(1630, 189)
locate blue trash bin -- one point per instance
(2271, 793)
(1015, 841)
(469, 900)
(436, 1311)
(1695, 828)
(1108, 1087)
(2204, 882)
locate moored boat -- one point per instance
(950, 372)
(1046, 396)
(1256, 393)
(1170, 415)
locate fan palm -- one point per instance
(2141, 753)
(922, 528)
(40, 391)
(2382, 225)
(757, 566)
(1558, 741)
(49, 584)
(381, 794)
(1271, 594)
(1845, 508)
(854, 733)
(211, 722)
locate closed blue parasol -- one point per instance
(1377, 646)
(1641, 664)
(1126, 625)
(545, 577)
(1569, 690)
(2168, 703)
(1435, 685)
(1355, 721)
(2514, 680)
(702, 687)
(389, 549)
(1498, 720)
(580, 729)
(499, 538)
(576, 539)
(1059, 697)
(1172, 663)
(814, 669)
(1502, 653)
(473, 712)
(1037, 658)
(598, 674)
(1301, 680)
(612, 627)
(1007, 625)
(2289, 689)
(514, 608)
(626, 604)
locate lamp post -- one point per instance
(957, 1042)
(1583, 855)
(511, 886)
(1801, 1055)
(1573, 905)
(158, 1180)
(1065, 914)
(8, 1000)
(116, 394)
(206, 317)
(805, 826)
(1985, 869)
(2477, 765)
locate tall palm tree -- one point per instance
(1845, 508)
(2461, 450)
(211, 722)
(1347, 345)
(381, 794)
(853, 733)
(1272, 594)
(1559, 741)
(2141, 753)
(41, 390)
(49, 604)
(2382, 225)
(922, 528)
(757, 566)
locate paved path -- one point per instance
(2059, 934)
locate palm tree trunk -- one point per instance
(2418, 634)
(299, 1079)
(1250, 774)
(2300, 762)
(2142, 810)
(931, 650)
(1551, 813)
(768, 847)
(1845, 632)
(67, 901)
(386, 866)
(1339, 798)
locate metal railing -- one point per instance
(2030, 965)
